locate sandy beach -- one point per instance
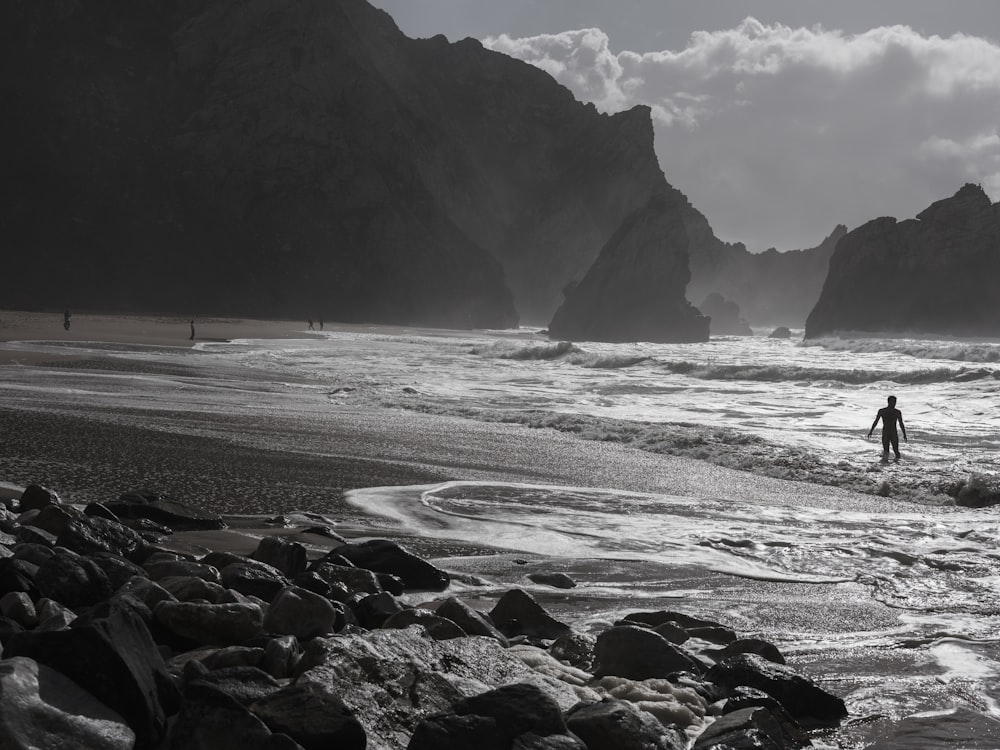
(141, 330)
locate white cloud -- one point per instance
(779, 133)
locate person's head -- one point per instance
(892, 400)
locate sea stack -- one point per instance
(938, 273)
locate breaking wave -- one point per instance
(564, 350)
(957, 351)
(792, 373)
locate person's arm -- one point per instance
(877, 418)
(903, 427)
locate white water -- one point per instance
(929, 664)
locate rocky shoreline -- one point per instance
(116, 633)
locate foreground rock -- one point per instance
(938, 273)
(223, 651)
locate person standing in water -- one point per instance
(192, 330)
(66, 317)
(890, 415)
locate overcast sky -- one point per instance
(778, 118)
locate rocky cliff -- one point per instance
(770, 288)
(938, 273)
(300, 158)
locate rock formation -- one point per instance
(725, 316)
(303, 159)
(938, 273)
(635, 289)
(770, 288)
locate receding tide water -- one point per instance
(923, 674)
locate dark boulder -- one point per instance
(748, 646)
(89, 535)
(301, 613)
(517, 613)
(41, 708)
(556, 580)
(800, 696)
(114, 659)
(383, 556)
(287, 556)
(245, 684)
(171, 513)
(210, 624)
(73, 580)
(35, 497)
(312, 716)
(437, 627)
(374, 609)
(469, 620)
(212, 720)
(781, 332)
(640, 654)
(619, 725)
(254, 579)
(751, 728)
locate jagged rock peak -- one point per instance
(937, 274)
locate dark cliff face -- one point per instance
(938, 273)
(770, 288)
(635, 289)
(299, 158)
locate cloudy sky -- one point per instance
(778, 118)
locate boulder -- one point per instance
(157, 570)
(312, 716)
(301, 613)
(212, 720)
(640, 654)
(17, 606)
(747, 646)
(392, 679)
(118, 570)
(437, 627)
(752, 727)
(517, 613)
(613, 724)
(53, 518)
(453, 732)
(35, 497)
(254, 579)
(210, 624)
(281, 655)
(781, 332)
(469, 620)
(114, 659)
(18, 575)
(244, 684)
(191, 588)
(383, 556)
(374, 609)
(350, 578)
(41, 708)
(164, 510)
(287, 556)
(556, 580)
(801, 697)
(73, 580)
(90, 535)
(575, 649)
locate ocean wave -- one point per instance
(793, 373)
(957, 351)
(564, 350)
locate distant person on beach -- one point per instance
(192, 330)
(311, 326)
(66, 317)
(890, 415)
(321, 324)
